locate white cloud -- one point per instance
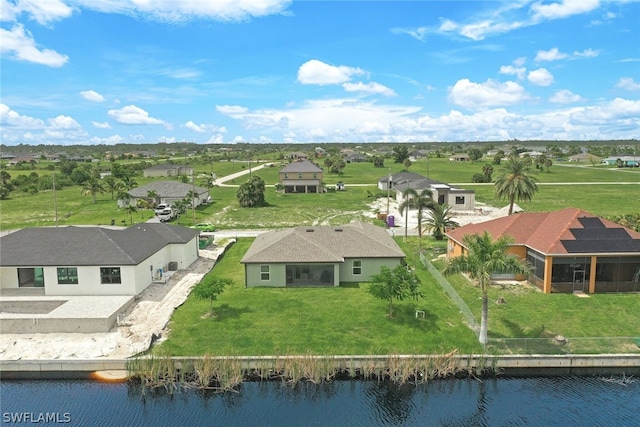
(483, 29)
(319, 73)
(180, 11)
(202, 128)
(372, 88)
(564, 96)
(540, 77)
(231, 109)
(562, 9)
(552, 54)
(627, 83)
(587, 53)
(99, 125)
(488, 94)
(9, 117)
(91, 95)
(21, 46)
(511, 70)
(43, 12)
(132, 115)
(63, 122)
(418, 33)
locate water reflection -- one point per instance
(515, 402)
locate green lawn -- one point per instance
(343, 320)
(347, 320)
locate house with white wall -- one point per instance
(77, 260)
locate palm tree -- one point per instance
(192, 195)
(129, 182)
(92, 187)
(409, 195)
(111, 185)
(153, 195)
(514, 183)
(482, 258)
(131, 209)
(439, 221)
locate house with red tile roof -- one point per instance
(569, 250)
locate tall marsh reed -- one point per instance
(227, 373)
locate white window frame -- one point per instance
(264, 273)
(356, 264)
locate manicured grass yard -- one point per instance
(347, 320)
(344, 320)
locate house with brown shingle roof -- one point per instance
(319, 255)
(569, 250)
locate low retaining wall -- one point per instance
(508, 365)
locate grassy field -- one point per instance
(285, 210)
(347, 320)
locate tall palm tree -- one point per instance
(439, 221)
(131, 209)
(482, 258)
(153, 195)
(192, 196)
(514, 183)
(409, 195)
(92, 187)
(111, 185)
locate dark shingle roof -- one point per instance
(166, 188)
(323, 244)
(304, 166)
(75, 246)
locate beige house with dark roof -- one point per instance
(319, 255)
(302, 177)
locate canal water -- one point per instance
(544, 401)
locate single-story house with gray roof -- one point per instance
(92, 260)
(168, 192)
(167, 169)
(319, 255)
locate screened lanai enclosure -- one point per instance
(587, 273)
(310, 275)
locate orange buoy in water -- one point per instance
(112, 376)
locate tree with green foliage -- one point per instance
(397, 284)
(400, 153)
(152, 195)
(251, 193)
(209, 289)
(439, 221)
(514, 183)
(474, 154)
(407, 164)
(92, 187)
(110, 184)
(482, 258)
(378, 161)
(131, 209)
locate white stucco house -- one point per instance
(76, 260)
(459, 199)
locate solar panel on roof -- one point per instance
(600, 233)
(590, 222)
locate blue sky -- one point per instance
(273, 71)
